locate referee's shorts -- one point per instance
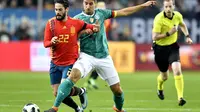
(166, 55)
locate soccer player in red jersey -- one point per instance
(61, 35)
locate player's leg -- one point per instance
(106, 70)
(56, 74)
(161, 59)
(74, 91)
(174, 59)
(162, 77)
(80, 69)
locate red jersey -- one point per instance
(65, 52)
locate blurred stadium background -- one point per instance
(24, 62)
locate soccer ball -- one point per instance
(31, 107)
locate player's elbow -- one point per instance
(46, 45)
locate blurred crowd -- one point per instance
(181, 5)
(25, 30)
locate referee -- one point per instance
(166, 48)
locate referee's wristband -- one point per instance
(167, 34)
(187, 36)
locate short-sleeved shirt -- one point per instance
(162, 25)
(95, 44)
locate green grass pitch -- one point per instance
(20, 88)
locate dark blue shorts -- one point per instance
(58, 72)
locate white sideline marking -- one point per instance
(158, 109)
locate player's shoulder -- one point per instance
(78, 16)
(177, 13)
(74, 19)
(98, 10)
(50, 20)
(53, 18)
(159, 16)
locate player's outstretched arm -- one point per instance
(130, 10)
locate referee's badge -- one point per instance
(91, 20)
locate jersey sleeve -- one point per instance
(180, 18)
(81, 25)
(157, 24)
(107, 13)
(47, 36)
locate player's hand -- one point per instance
(189, 40)
(86, 31)
(54, 40)
(96, 26)
(149, 3)
(173, 30)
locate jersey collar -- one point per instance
(168, 17)
(88, 15)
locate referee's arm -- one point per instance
(158, 35)
(184, 29)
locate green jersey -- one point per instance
(96, 44)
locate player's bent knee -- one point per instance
(75, 75)
(177, 72)
(165, 78)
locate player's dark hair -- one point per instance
(65, 3)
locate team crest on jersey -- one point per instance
(72, 30)
(91, 20)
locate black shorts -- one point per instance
(166, 55)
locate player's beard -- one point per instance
(62, 17)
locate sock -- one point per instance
(179, 84)
(119, 101)
(70, 102)
(160, 82)
(94, 75)
(76, 91)
(63, 91)
(92, 81)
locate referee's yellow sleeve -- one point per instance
(157, 25)
(181, 18)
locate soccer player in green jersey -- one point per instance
(94, 54)
(166, 48)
